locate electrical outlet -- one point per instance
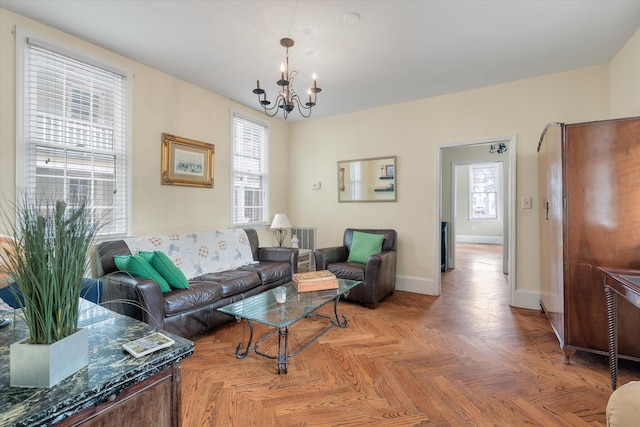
(526, 202)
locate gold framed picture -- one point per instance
(187, 162)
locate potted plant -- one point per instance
(50, 257)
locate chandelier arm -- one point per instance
(301, 108)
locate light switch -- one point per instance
(315, 185)
(526, 202)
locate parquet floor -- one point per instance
(463, 359)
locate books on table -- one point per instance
(314, 281)
(148, 344)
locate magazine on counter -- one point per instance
(149, 344)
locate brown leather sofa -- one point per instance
(193, 311)
(378, 274)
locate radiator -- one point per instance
(306, 237)
(306, 240)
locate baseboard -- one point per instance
(488, 240)
(521, 298)
(418, 285)
(526, 299)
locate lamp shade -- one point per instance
(280, 221)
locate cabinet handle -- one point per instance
(547, 211)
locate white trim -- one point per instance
(490, 240)
(511, 212)
(417, 285)
(24, 37)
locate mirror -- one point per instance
(367, 180)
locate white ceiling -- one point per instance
(398, 51)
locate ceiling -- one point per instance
(398, 51)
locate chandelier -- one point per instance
(287, 98)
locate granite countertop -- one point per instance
(109, 372)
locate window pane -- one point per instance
(483, 185)
(249, 174)
(75, 132)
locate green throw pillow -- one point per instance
(364, 245)
(167, 269)
(140, 267)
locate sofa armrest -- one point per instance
(326, 256)
(289, 255)
(135, 297)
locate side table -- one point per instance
(625, 283)
(304, 259)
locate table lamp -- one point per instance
(7, 249)
(280, 221)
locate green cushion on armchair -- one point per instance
(364, 245)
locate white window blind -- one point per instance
(75, 133)
(250, 176)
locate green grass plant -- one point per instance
(52, 243)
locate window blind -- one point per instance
(250, 177)
(75, 133)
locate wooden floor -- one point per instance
(464, 358)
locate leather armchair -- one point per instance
(378, 274)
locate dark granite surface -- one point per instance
(109, 372)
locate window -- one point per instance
(250, 176)
(355, 180)
(483, 191)
(72, 129)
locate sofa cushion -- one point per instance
(364, 245)
(345, 270)
(269, 272)
(199, 294)
(140, 267)
(232, 281)
(167, 269)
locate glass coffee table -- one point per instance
(263, 308)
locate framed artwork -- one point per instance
(389, 170)
(186, 162)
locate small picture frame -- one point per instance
(186, 162)
(389, 170)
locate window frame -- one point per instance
(22, 169)
(265, 175)
(497, 192)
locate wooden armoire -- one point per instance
(589, 183)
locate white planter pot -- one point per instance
(43, 366)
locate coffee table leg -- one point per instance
(242, 354)
(341, 323)
(283, 353)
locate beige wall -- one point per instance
(413, 131)
(161, 103)
(305, 152)
(625, 79)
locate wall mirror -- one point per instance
(367, 180)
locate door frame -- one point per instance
(511, 202)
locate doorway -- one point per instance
(466, 153)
